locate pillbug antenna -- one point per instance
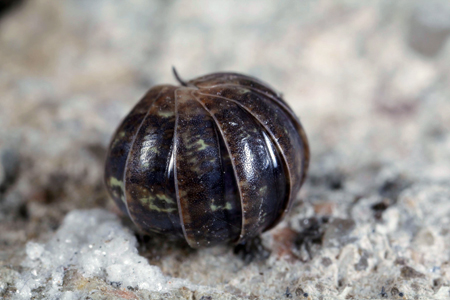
(181, 81)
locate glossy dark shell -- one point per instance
(218, 160)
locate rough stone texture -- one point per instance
(374, 104)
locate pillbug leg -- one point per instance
(312, 233)
(252, 250)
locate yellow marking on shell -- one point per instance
(199, 143)
(149, 202)
(216, 207)
(118, 183)
(263, 190)
(242, 91)
(118, 138)
(192, 160)
(202, 144)
(165, 114)
(118, 195)
(165, 210)
(113, 181)
(164, 198)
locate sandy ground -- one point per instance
(369, 82)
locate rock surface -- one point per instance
(372, 91)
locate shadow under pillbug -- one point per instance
(218, 159)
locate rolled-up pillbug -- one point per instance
(218, 159)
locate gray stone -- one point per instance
(339, 233)
(408, 273)
(430, 27)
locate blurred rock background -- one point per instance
(369, 81)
